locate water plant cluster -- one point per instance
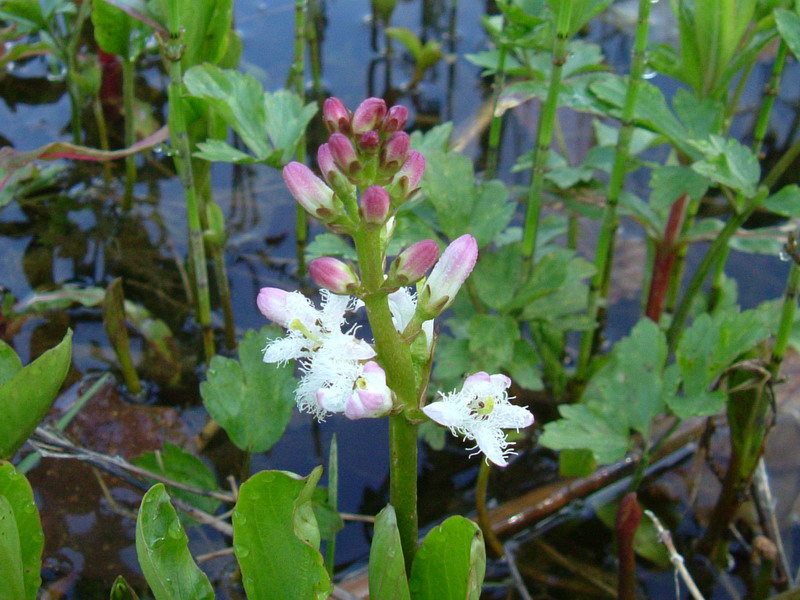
(428, 294)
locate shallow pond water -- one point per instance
(79, 235)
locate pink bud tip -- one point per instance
(309, 190)
(272, 302)
(395, 151)
(375, 203)
(336, 116)
(369, 115)
(413, 262)
(396, 119)
(343, 153)
(369, 141)
(411, 172)
(449, 274)
(334, 275)
(371, 396)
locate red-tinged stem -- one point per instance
(629, 514)
(666, 253)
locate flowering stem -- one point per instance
(297, 80)
(395, 358)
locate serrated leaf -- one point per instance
(26, 397)
(728, 162)
(163, 552)
(524, 367)
(275, 561)
(251, 400)
(15, 489)
(270, 124)
(179, 465)
(582, 428)
(492, 338)
(330, 244)
(670, 183)
(785, 201)
(451, 562)
(387, 571)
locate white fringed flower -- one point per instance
(331, 361)
(479, 412)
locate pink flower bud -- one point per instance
(310, 191)
(368, 115)
(412, 263)
(396, 119)
(334, 275)
(371, 396)
(375, 204)
(336, 116)
(332, 174)
(344, 154)
(272, 302)
(448, 275)
(370, 141)
(411, 172)
(395, 151)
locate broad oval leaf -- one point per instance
(251, 400)
(112, 28)
(16, 490)
(274, 538)
(11, 584)
(163, 552)
(451, 562)
(387, 570)
(26, 397)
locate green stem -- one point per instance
(598, 290)
(497, 121)
(787, 320)
(395, 357)
(297, 80)
(544, 137)
(783, 163)
(130, 130)
(183, 164)
(333, 501)
(485, 523)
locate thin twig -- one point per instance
(675, 558)
(510, 549)
(766, 504)
(50, 443)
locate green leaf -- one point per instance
(179, 465)
(10, 363)
(728, 162)
(163, 552)
(11, 585)
(437, 138)
(582, 428)
(329, 521)
(270, 124)
(670, 183)
(785, 201)
(706, 350)
(576, 463)
(492, 338)
(279, 557)
(112, 28)
(251, 400)
(408, 38)
(330, 244)
(524, 367)
(451, 562)
(17, 492)
(26, 397)
(788, 23)
(461, 207)
(625, 394)
(387, 570)
(120, 590)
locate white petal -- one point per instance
(283, 349)
(510, 416)
(447, 413)
(402, 305)
(492, 443)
